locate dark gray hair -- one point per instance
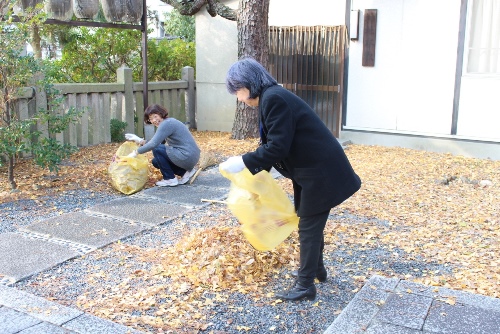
(248, 73)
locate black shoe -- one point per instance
(321, 274)
(298, 292)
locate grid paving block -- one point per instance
(190, 195)
(23, 257)
(85, 229)
(150, 212)
(461, 319)
(404, 309)
(363, 307)
(36, 307)
(12, 321)
(89, 324)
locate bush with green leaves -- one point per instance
(93, 55)
(117, 129)
(17, 71)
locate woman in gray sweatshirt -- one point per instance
(174, 149)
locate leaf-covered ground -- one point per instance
(439, 209)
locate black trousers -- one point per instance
(312, 243)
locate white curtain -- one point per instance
(484, 38)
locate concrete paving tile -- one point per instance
(46, 328)
(150, 212)
(189, 195)
(81, 228)
(461, 319)
(23, 257)
(12, 321)
(89, 324)
(405, 310)
(36, 307)
(356, 317)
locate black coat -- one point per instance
(297, 143)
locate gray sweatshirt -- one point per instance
(180, 144)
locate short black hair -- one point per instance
(155, 109)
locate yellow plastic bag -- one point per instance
(266, 214)
(128, 175)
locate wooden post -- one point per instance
(369, 37)
(187, 74)
(124, 76)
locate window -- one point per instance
(483, 47)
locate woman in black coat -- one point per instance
(295, 141)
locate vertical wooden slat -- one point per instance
(94, 136)
(156, 97)
(82, 138)
(106, 117)
(308, 58)
(72, 128)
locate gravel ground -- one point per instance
(349, 266)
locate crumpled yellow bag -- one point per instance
(128, 175)
(266, 214)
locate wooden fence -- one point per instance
(122, 100)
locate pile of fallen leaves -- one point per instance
(422, 206)
(189, 278)
(439, 207)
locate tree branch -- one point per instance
(191, 7)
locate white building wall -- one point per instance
(479, 111)
(411, 86)
(216, 50)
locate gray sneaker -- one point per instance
(187, 175)
(168, 183)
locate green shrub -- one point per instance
(117, 128)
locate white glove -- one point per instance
(233, 164)
(133, 154)
(132, 137)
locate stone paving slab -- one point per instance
(445, 294)
(462, 319)
(85, 229)
(12, 321)
(36, 307)
(139, 209)
(90, 324)
(23, 257)
(46, 328)
(405, 309)
(402, 307)
(357, 315)
(26, 313)
(189, 195)
(385, 328)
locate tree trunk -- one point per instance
(36, 42)
(10, 157)
(253, 30)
